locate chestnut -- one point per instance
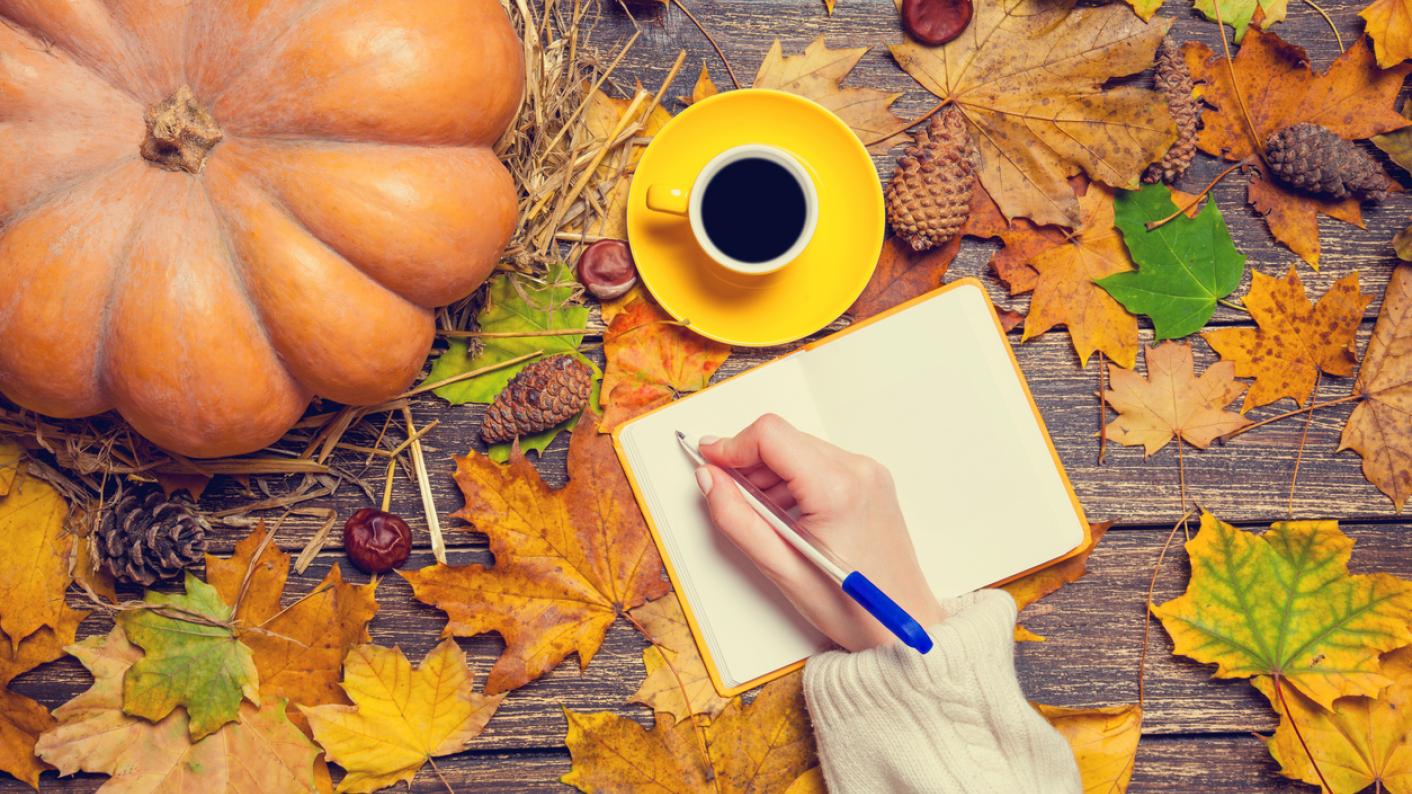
(607, 269)
(376, 541)
(935, 22)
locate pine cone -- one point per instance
(1314, 159)
(540, 396)
(146, 538)
(930, 193)
(1173, 82)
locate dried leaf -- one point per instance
(651, 361)
(1397, 145)
(1389, 24)
(1184, 266)
(1240, 13)
(677, 682)
(703, 88)
(299, 649)
(1378, 428)
(32, 530)
(902, 274)
(1030, 78)
(1295, 339)
(1021, 238)
(811, 782)
(1172, 400)
(566, 561)
(1145, 9)
(263, 751)
(22, 720)
(1284, 603)
(829, 5)
(1353, 98)
(818, 74)
(402, 718)
(200, 666)
(1361, 742)
(1065, 292)
(762, 747)
(10, 454)
(1104, 740)
(1047, 580)
(600, 119)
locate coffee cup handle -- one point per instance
(671, 200)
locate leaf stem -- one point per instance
(1288, 414)
(1338, 37)
(1233, 305)
(1284, 706)
(1147, 613)
(1235, 86)
(1303, 439)
(1196, 199)
(907, 125)
(475, 373)
(709, 40)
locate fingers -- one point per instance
(747, 530)
(774, 443)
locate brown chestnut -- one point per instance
(935, 22)
(376, 541)
(607, 269)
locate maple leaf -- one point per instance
(516, 303)
(600, 119)
(818, 74)
(1397, 145)
(1145, 8)
(1354, 99)
(1104, 741)
(199, 665)
(566, 561)
(1360, 742)
(651, 361)
(1389, 24)
(1172, 401)
(703, 88)
(1294, 340)
(1029, 77)
(677, 682)
(22, 720)
(1022, 239)
(1047, 580)
(1378, 427)
(298, 650)
(1183, 266)
(262, 751)
(10, 454)
(32, 514)
(401, 718)
(1283, 603)
(1239, 14)
(765, 746)
(1065, 292)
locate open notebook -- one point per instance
(931, 389)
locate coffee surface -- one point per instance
(754, 210)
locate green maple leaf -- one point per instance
(1238, 13)
(516, 303)
(199, 666)
(1283, 603)
(1183, 266)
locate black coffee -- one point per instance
(753, 210)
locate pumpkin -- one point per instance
(212, 211)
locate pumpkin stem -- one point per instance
(180, 133)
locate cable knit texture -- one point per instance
(953, 720)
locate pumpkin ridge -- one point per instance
(236, 70)
(48, 46)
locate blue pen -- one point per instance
(854, 583)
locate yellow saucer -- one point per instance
(805, 295)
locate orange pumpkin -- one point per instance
(211, 211)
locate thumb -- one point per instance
(735, 518)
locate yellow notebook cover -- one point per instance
(931, 389)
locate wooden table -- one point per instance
(1198, 732)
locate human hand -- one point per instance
(847, 501)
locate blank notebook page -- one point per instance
(931, 392)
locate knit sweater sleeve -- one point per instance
(952, 720)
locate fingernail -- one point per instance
(710, 439)
(704, 481)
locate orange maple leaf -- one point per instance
(1065, 292)
(1377, 428)
(651, 360)
(1173, 401)
(1295, 339)
(1353, 98)
(902, 274)
(567, 561)
(1022, 238)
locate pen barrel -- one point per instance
(887, 611)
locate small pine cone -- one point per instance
(146, 538)
(1314, 159)
(542, 395)
(1173, 81)
(930, 193)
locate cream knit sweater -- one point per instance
(953, 720)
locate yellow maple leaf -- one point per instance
(703, 88)
(677, 682)
(1360, 742)
(1294, 340)
(1172, 400)
(567, 561)
(1377, 427)
(1389, 24)
(1047, 580)
(1283, 603)
(1031, 78)
(818, 74)
(22, 720)
(401, 718)
(298, 650)
(1104, 741)
(601, 116)
(763, 747)
(10, 454)
(32, 515)
(1065, 292)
